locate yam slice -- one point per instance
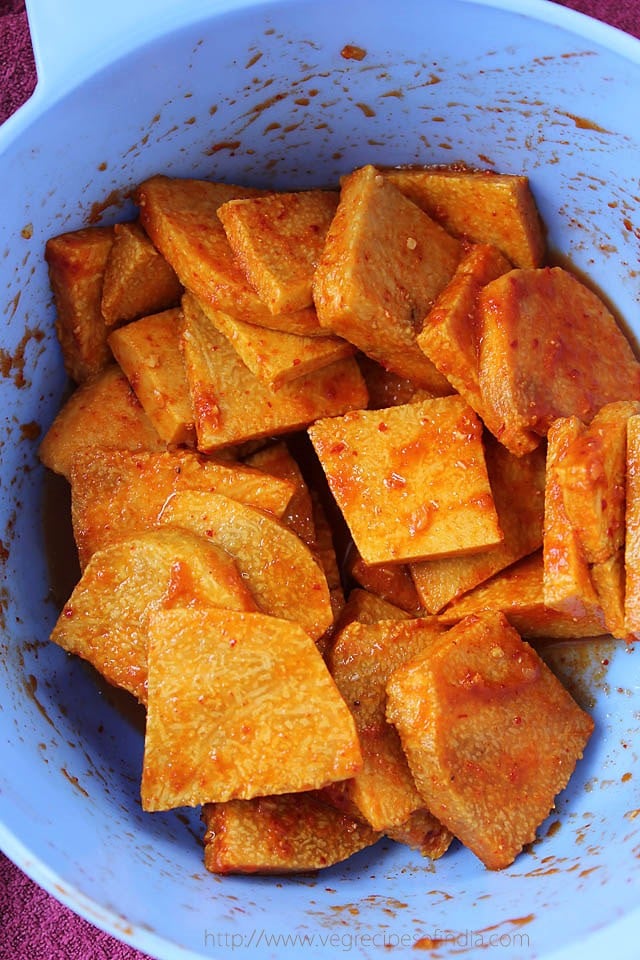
(103, 412)
(411, 481)
(76, 262)
(278, 240)
(391, 582)
(423, 832)
(384, 263)
(480, 205)
(367, 607)
(138, 281)
(231, 405)
(148, 351)
(487, 727)
(181, 218)
(106, 619)
(240, 705)
(276, 460)
(115, 492)
(279, 569)
(289, 833)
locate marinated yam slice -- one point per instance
(450, 335)
(383, 265)
(106, 619)
(231, 405)
(517, 486)
(240, 706)
(568, 586)
(279, 569)
(277, 460)
(423, 832)
(103, 412)
(148, 351)
(518, 593)
(537, 361)
(115, 493)
(181, 218)
(77, 262)
(361, 660)
(137, 280)
(490, 734)
(481, 205)
(388, 581)
(289, 833)
(632, 529)
(411, 481)
(274, 356)
(278, 240)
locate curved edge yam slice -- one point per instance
(105, 621)
(490, 734)
(278, 568)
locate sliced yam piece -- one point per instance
(481, 205)
(231, 405)
(115, 492)
(518, 593)
(361, 660)
(487, 727)
(411, 481)
(279, 569)
(148, 351)
(276, 460)
(278, 240)
(103, 412)
(240, 706)
(517, 486)
(537, 361)
(383, 265)
(632, 529)
(592, 475)
(274, 356)
(387, 389)
(366, 607)
(76, 262)
(390, 582)
(608, 578)
(424, 832)
(289, 833)
(449, 336)
(137, 280)
(181, 218)
(568, 586)
(105, 621)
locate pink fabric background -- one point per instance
(33, 925)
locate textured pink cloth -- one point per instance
(33, 925)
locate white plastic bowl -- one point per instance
(260, 93)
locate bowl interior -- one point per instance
(267, 95)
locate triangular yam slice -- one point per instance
(240, 706)
(490, 734)
(278, 240)
(181, 218)
(288, 833)
(384, 263)
(105, 621)
(279, 569)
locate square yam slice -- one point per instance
(148, 351)
(278, 240)
(137, 279)
(490, 734)
(289, 833)
(181, 218)
(239, 706)
(116, 492)
(103, 412)
(411, 481)
(231, 405)
(361, 661)
(517, 485)
(537, 359)
(383, 265)
(77, 262)
(481, 205)
(518, 592)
